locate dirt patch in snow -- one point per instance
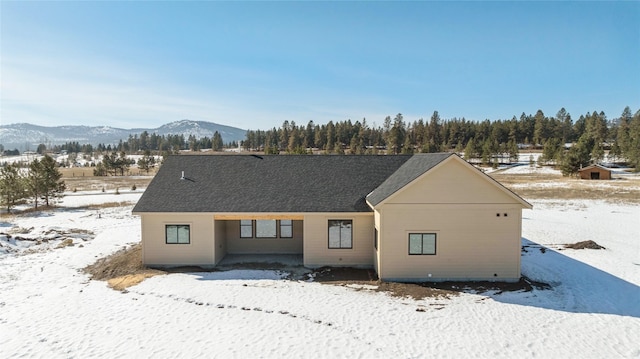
(419, 290)
(584, 245)
(122, 269)
(129, 280)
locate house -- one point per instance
(595, 172)
(411, 217)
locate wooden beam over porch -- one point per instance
(227, 217)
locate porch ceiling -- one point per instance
(257, 216)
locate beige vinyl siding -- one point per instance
(453, 181)
(461, 206)
(199, 251)
(237, 245)
(376, 252)
(220, 241)
(472, 242)
(316, 241)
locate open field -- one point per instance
(545, 183)
(82, 179)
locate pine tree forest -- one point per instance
(563, 141)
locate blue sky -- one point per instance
(255, 64)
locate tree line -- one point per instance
(119, 164)
(564, 142)
(168, 144)
(40, 181)
(151, 142)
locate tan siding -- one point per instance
(237, 245)
(376, 252)
(157, 252)
(452, 182)
(472, 242)
(220, 241)
(316, 241)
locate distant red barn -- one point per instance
(595, 172)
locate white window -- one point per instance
(422, 243)
(246, 228)
(266, 228)
(340, 233)
(177, 234)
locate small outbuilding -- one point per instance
(595, 172)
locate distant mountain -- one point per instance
(24, 136)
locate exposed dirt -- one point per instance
(124, 269)
(129, 280)
(584, 245)
(420, 290)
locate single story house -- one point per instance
(595, 172)
(411, 217)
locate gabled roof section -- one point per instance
(419, 166)
(275, 183)
(595, 166)
(416, 166)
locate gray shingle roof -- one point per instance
(279, 183)
(409, 171)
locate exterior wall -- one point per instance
(220, 240)
(452, 182)
(200, 250)
(603, 174)
(466, 210)
(237, 245)
(472, 243)
(376, 251)
(316, 241)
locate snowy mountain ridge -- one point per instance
(25, 136)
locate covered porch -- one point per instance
(258, 238)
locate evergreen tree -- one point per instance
(577, 157)
(512, 149)
(550, 150)
(52, 186)
(331, 140)
(12, 186)
(146, 162)
(216, 142)
(395, 138)
(41, 149)
(633, 152)
(470, 150)
(35, 181)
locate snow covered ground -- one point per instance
(50, 309)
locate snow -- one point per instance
(49, 308)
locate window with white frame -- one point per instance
(340, 233)
(266, 228)
(422, 243)
(177, 234)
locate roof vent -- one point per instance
(182, 175)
